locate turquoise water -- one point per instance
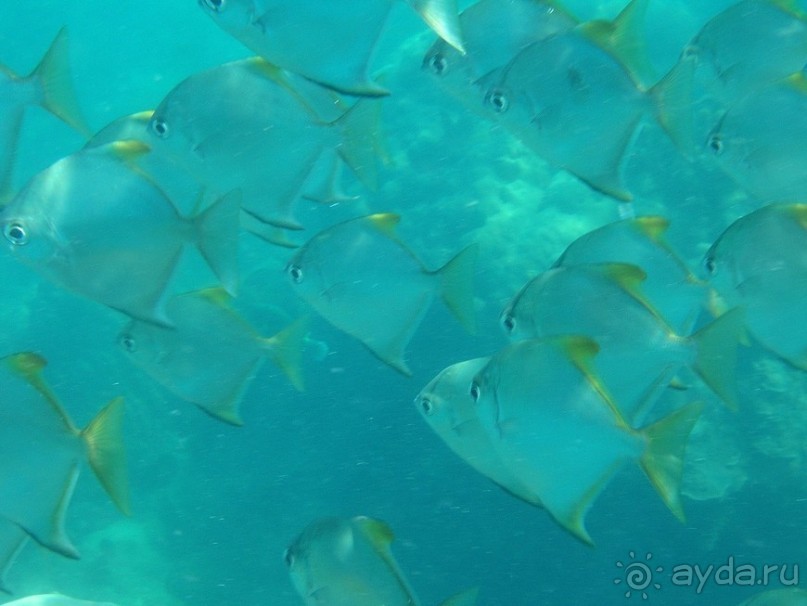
(215, 506)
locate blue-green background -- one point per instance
(214, 506)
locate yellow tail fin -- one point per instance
(104, 439)
(663, 460)
(53, 73)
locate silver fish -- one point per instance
(671, 287)
(639, 352)
(210, 354)
(758, 262)
(95, 225)
(48, 85)
(554, 424)
(348, 562)
(561, 93)
(364, 281)
(494, 31)
(309, 37)
(251, 126)
(758, 141)
(446, 405)
(42, 452)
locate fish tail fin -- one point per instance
(663, 459)
(672, 99)
(361, 144)
(285, 349)
(217, 237)
(463, 598)
(624, 38)
(53, 72)
(442, 16)
(456, 286)
(104, 439)
(716, 354)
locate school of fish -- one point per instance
(595, 341)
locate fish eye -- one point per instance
(214, 5)
(498, 101)
(715, 143)
(128, 342)
(15, 233)
(427, 406)
(438, 64)
(160, 128)
(509, 323)
(710, 265)
(296, 273)
(475, 392)
(288, 557)
(690, 51)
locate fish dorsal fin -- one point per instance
(624, 39)
(384, 223)
(790, 7)
(279, 77)
(376, 531)
(628, 276)
(217, 295)
(652, 226)
(128, 150)
(144, 117)
(630, 279)
(29, 366)
(464, 598)
(581, 351)
(797, 82)
(799, 213)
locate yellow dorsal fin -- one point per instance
(629, 277)
(385, 223)
(581, 351)
(799, 212)
(129, 149)
(29, 366)
(624, 39)
(652, 226)
(217, 295)
(789, 6)
(798, 82)
(379, 533)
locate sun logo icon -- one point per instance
(638, 576)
